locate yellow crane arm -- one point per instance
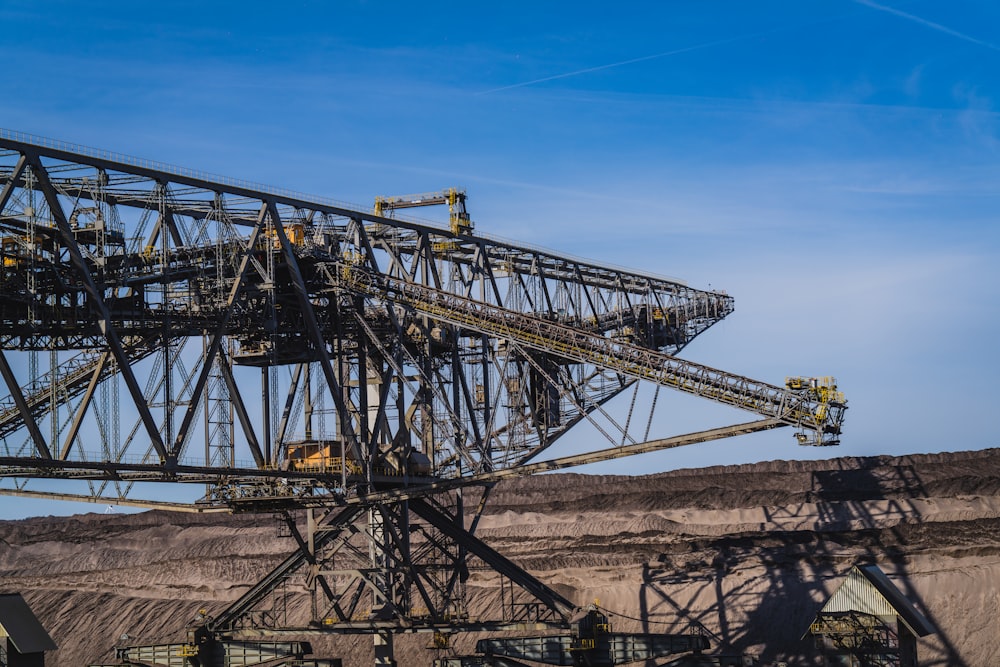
(458, 217)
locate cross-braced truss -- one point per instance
(290, 352)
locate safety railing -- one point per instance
(153, 165)
(244, 184)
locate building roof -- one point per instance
(869, 591)
(21, 625)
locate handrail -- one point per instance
(167, 168)
(153, 165)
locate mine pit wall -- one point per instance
(704, 547)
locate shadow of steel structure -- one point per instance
(376, 374)
(855, 515)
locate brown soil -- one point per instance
(747, 552)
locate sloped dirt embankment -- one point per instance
(747, 552)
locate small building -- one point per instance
(23, 640)
(868, 622)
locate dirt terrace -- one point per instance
(747, 552)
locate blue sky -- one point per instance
(832, 164)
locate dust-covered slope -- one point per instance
(748, 553)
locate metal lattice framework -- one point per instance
(290, 352)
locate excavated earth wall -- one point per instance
(748, 553)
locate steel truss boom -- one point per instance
(366, 376)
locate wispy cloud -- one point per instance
(930, 24)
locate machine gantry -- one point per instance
(366, 377)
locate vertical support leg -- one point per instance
(384, 656)
(382, 602)
(265, 394)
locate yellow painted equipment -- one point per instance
(296, 233)
(458, 217)
(18, 249)
(317, 456)
(823, 388)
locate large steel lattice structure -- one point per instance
(292, 353)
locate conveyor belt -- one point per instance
(819, 413)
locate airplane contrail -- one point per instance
(930, 24)
(597, 68)
(867, 3)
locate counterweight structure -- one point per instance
(366, 377)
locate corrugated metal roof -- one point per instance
(21, 625)
(869, 591)
(916, 621)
